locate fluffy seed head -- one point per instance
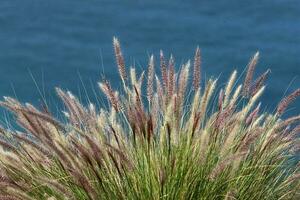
(119, 59)
(249, 75)
(197, 69)
(284, 103)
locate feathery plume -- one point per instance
(258, 83)
(236, 95)
(163, 68)
(76, 111)
(45, 117)
(111, 96)
(253, 100)
(288, 122)
(25, 139)
(119, 59)
(171, 78)
(252, 116)
(249, 139)
(229, 87)
(221, 98)
(285, 102)
(133, 76)
(197, 69)
(223, 116)
(159, 90)
(150, 79)
(207, 95)
(140, 81)
(249, 75)
(183, 81)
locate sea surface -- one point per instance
(68, 43)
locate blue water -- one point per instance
(69, 43)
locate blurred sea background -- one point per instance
(68, 44)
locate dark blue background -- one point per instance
(60, 42)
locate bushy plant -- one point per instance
(162, 137)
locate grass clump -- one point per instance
(170, 138)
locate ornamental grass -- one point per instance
(163, 136)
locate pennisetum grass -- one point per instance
(179, 146)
